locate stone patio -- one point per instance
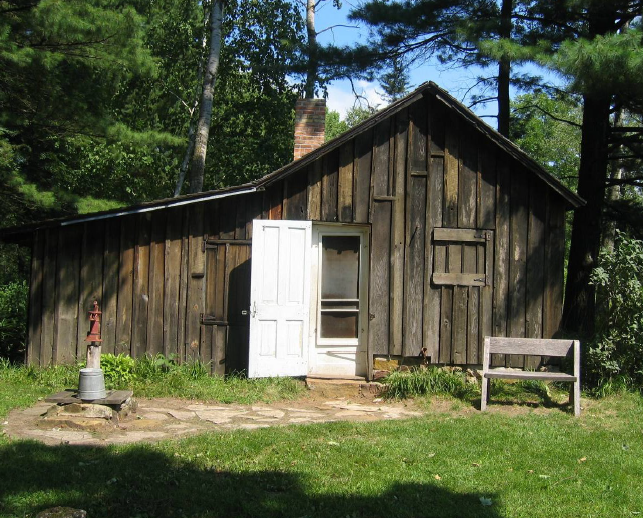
(161, 419)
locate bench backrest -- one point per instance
(528, 346)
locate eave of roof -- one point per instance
(15, 234)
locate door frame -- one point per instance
(340, 229)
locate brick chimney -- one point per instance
(310, 125)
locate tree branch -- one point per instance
(338, 25)
(552, 116)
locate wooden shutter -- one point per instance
(468, 259)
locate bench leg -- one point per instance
(574, 397)
(485, 394)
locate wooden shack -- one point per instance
(421, 229)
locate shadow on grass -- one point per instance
(531, 396)
(141, 481)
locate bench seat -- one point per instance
(501, 372)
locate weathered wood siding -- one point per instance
(177, 281)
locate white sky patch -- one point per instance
(341, 97)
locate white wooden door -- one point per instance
(279, 298)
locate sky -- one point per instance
(455, 80)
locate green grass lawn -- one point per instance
(523, 463)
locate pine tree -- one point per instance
(597, 46)
(454, 31)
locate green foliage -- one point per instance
(431, 381)
(547, 128)
(13, 318)
(617, 350)
(334, 125)
(395, 81)
(118, 369)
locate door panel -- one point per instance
(280, 298)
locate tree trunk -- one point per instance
(195, 104)
(580, 305)
(205, 110)
(579, 311)
(313, 65)
(504, 70)
(614, 191)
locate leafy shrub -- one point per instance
(420, 382)
(118, 370)
(617, 348)
(151, 367)
(13, 319)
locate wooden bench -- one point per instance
(536, 347)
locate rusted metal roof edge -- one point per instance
(506, 145)
(166, 203)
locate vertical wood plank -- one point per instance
(92, 243)
(460, 303)
(487, 188)
(184, 285)
(470, 265)
(554, 274)
(415, 232)
(467, 215)
(155, 312)
(451, 173)
(227, 220)
(172, 276)
(459, 318)
(67, 294)
(295, 208)
(219, 360)
(518, 260)
(501, 256)
(397, 235)
(110, 284)
(220, 289)
(49, 297)
(535, 264)
(34, 351)
(434, 257)
(314, 190)
(345, 182)
(141, 296)
(485, 264)
(275, 197)
(330, 175)
(381, 147)
(415, 257)
(362, 176)
(253, 209)
(468, 181)
(196, 275)
(486, 220)
(239, 209)
(446, 319)
(379, 310)
(125, 286)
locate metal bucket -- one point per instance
(91, 384)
